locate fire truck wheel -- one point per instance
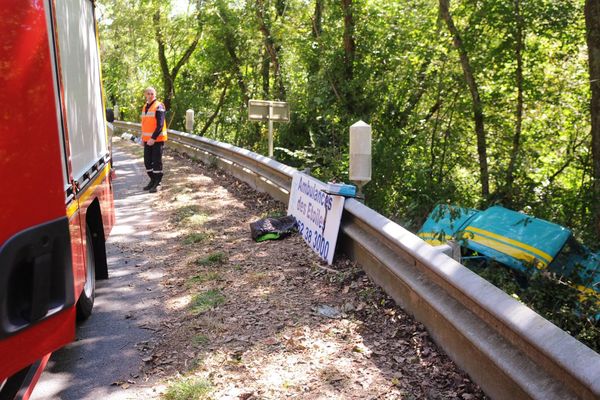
(86, 300)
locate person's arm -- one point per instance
(160, 120)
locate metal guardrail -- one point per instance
(509, 350)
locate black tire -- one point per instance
(86, 299)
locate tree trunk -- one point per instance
(401, 118)
(162, 60)
(349, 52)
(212, 117)
(316, 31)
(314, 61)
(519, 112)
(281, 6)
(349, 45)
(231, 50)
(476, 102)
(317, 20)
(231, 47)
(592, 25)
(271, 48)
(169, 76)
(266, 74)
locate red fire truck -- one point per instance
(56, 202)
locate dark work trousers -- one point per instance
(153, 161)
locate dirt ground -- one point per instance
(268, 320)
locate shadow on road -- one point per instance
(104, 354)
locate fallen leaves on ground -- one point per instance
(268, 320)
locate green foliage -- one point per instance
(554, 298)
(502, 277)
(405, 80)
(561, 304)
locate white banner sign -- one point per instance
(318, 214)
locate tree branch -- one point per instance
(212, 117)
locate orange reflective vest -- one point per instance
(149, 123)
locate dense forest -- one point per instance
(472, 102)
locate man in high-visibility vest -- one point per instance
(154, 135)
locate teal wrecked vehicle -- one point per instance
(516, 240)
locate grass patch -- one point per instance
(256, 277)
(188, 389)
(200, 340)
(197, 237)
(368, 294)
(184, 212)
(189, 216)
(217, 258)
(212, 162)
(205, 277)
(203, 302)
(195, 364)
(273, 214)
(196, 220)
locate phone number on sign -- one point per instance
(315, 240)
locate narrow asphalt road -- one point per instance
(103, 362)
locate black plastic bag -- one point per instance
(272, 228)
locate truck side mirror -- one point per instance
(110, 115)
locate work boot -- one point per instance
(150, 185)
(155, 185)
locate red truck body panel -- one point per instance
(29, 150)
(30, 161)
(37, 190)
